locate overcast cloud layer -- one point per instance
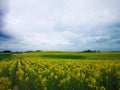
(71, 25)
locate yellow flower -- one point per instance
(2, 87)
(118, 74)
(56, 76)
(45, 88)
(62, 82)
(51, 74)
(102, 88)
(68, 78)
(27, 78)
(43, 81)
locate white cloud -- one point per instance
(57, 24)
(91, 13)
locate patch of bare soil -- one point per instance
(15, 87)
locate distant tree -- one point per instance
(38, 50)
(91, 51)
(17, 52)
(87, 51)
(6, 51)
(98, 51)
(30, 51)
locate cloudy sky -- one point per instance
(71, 25)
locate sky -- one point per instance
(64, 25)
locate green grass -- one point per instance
(6, 56)
(75, 55)
(65, 55)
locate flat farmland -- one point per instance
(60, 71)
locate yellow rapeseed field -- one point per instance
(56, 74)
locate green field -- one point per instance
(60, 71)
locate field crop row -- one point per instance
(7, 74)
(51, 74)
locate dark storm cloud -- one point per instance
(114, 33)
(1, 17)
(4, 36)
(110, 40)
(3, 12)
(115, 38)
